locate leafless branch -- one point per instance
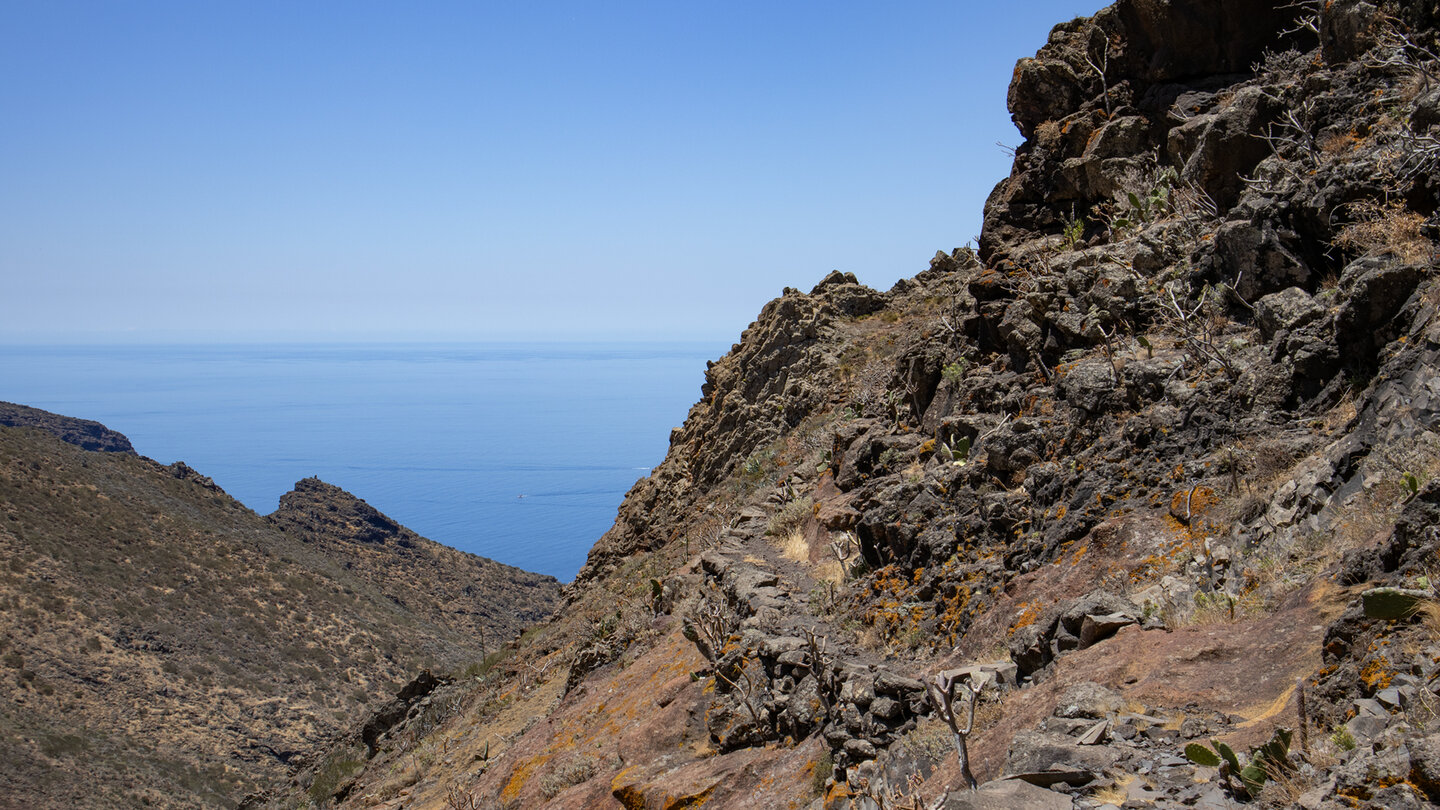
(747, 687)
(1101, 69)
(941, 690)
(710, 626)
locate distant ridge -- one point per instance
(83, 433)
(179, 649)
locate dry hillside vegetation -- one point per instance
(1152, 469)
(182, 650)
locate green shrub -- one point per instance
(337, 769)
(58, 745)
(791, 516)
(954, 372)
(824, 769)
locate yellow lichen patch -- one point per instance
(520, 775)
(629, 797)
(1376, 676)
(1029, 613)
(1193, 502)
(838, 795)
(636, 795)
(691, 800)
(892, 611)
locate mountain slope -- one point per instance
(474, 597)
(1135, 466)
(165, 646)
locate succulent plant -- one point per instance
(1264, 761)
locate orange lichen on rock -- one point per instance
(1029, 613)
(1187, 504)
(1376, 676)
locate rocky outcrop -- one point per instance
(768, 384)
(315, 510)
(83, 433)
(473, 595)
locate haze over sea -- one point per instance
(520, 452)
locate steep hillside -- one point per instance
(162, 645)
(1133, 470)
(476, 598)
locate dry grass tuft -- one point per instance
(1380, 228)
(790, 517)
(830, 569)
(1117, 792)
(794, 547)
(1429, 615)
(1285, 785)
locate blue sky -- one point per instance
(528, 169)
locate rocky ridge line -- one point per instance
(1158, 450)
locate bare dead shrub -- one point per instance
(1385, 228)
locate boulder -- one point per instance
(1288, 309)
(1099, 627)
(1088, 700)
(1091, 387)
(1216, 149)
(1007, 794)
(1425, 765)
(1260, 258)
(1372, 291)
(1045, 759)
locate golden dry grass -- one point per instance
(794, 547)
(1429, 614)
(830, 569)
(1380, 228)
(1117, 792)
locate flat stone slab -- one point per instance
(1099, 627)
(1007, 794)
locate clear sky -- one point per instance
(308, 170)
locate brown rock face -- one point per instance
(769, 382)
(321, 512)
(1139, 76)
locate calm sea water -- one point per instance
(518, 452)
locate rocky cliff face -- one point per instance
(1150, 469)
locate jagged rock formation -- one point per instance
(162, 645)
(1135, 465)
(782, 359)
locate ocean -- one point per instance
(520, 452)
